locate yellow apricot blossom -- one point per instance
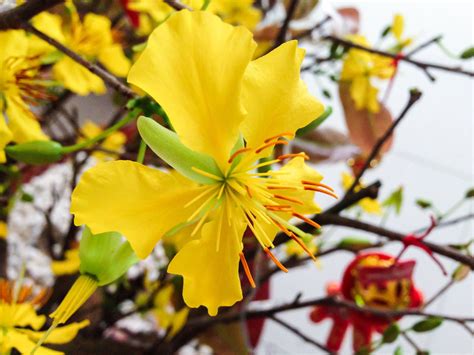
(91, 38)
(359, 68)
(397, 28)
(111, 145)
(228, 112)
(19, 85)
(70, 264)
(20, 323)
(368, 205)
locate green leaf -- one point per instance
(36, 152)
(166, 144)
(316, 123)
(386, 31)
(395, 200)
(467, 54)
(427, 324)
(106, 256)
(398, 351)
(326, 94)
(423, 203)
(470, 193)
(26, 197)
(391, 333)
(354, 243)
(461, 272)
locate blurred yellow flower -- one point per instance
(20, 324)
(359, 68)
(165, 313)
(398, 26)
(70, 264)
(218, 97)
(91, 38)
(368, 205)
(3, 230)
(19, 85)
(111, 145)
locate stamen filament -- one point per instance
(306, 182)
(247, 270)
(303, 246)
(267, 145)
(284, 134)
(275, 260)
(279, 208)
(306, 219)
(237, 152)
(294, 155)
(270, 162)
(323, 191)
(291, 199)
(206, 174)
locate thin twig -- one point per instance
(93, 68)
(423, 45)
(300, 334)
(16, 17)
(280, 38)
(412, 343)
(439, 293)
(422, 65)
(177, 5)
(312, 29)
(415, 95)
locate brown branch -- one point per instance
(312, 29)
(424, 45)
(280, 38)
(18, 16)
(177, 5)
(415, 95)
(422, 65)
(355, 224)
(93, 68)
(300, 334)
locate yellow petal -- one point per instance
(60, 335)
(211, 277)
(140, 202)
(24, 345)
(22, 122)
(364, 94)
(397, 26)
(371, 206)
(20, 315)
(275, 96)
(5, 137)
(193, 66)
(70, 265)
(178, 322)
(113, 58)
(14, 44)
(3, 230)
(77, 78)
(50, 24)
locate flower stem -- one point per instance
(141, 152)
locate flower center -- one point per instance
(260, 199)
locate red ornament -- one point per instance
(377, 280)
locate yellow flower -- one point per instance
(235, 12)
(20, 323)
(359, 68)
(166, 315)
(19, 84)
(113, 143)
(369, 205)
(398, 26)
(216, 98)
(3, 230)
(91, 38)
(70, 265)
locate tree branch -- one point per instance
(422, 65)
(18, 16)
(284, 28)
(93, 68)
(177, 5)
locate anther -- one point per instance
(284, 134)
(323, 191)
(294, 155)
(302, 245)
(279, 208)
(306, 182)
(282, 228)
(247, 269)
(236, 153)
(281, 187)
(269, 145)
(248, 191)
(275, 260)
(306, 219)
(289, 199)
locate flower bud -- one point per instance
(37, 152)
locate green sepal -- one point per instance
(167, 146)
(36, 152)
(316, 123)
(105, 256)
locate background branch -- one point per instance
(18, 16)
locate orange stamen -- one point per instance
(302, 245)
(284, 134)
(306, 182)
(275, 260)
(288, 199)
(279, 208)
(294, 155)
(306, 219)
(247, 270)
(25, 291)
(269, 145)
(282, 228)
(248, 191)
(281, 187)
(317, 189)
(237, 152)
